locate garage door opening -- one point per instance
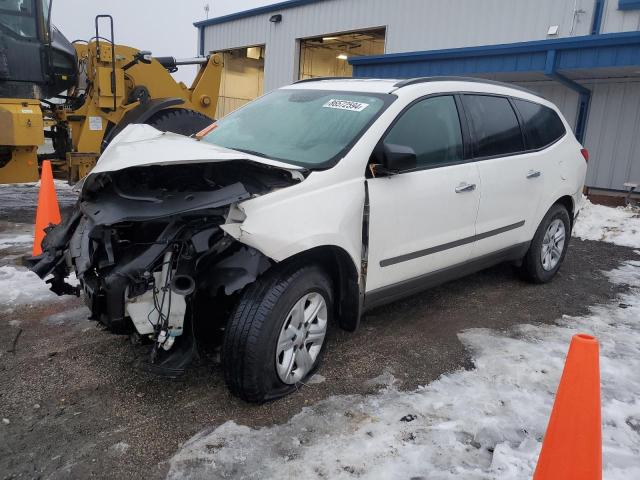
(242, 78)
(328, 55)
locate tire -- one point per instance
(536, 269)
(179, 120)
(262, 317)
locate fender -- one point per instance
(140, 114)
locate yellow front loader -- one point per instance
(106, 87)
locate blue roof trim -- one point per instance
(254, 11)
(576, 53)
(628, 4)
(528, 48)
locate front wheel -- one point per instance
(549, 246)
(275, 338)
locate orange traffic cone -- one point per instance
(48, 210)
(572, 446)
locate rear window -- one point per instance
(542, 126)
(495, 125)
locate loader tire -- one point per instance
(180, 121)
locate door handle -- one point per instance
(465, 187)
(533, 174)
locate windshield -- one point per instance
(19, 17)
(310, 128)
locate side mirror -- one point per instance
(397, 158)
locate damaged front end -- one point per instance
(147, 247)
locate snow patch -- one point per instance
(19, 286)
(486, 423)
(385, 379)
(615, 225)
(7, 241)
(119, 448)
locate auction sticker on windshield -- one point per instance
(346, 105)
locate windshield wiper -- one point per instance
(253, 152)
(260, 154)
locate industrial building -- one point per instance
(584, 55)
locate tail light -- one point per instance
(585, 154)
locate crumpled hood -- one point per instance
(141, 145)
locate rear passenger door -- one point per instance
(511, 179)
(423, 220)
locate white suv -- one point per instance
(309, 206)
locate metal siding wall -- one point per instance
(613, 130)
(411, 25)
(613, 135)
(615, 20)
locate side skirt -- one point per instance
(394, 292)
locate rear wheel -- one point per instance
(275, 338)
(179, 120)
(549, 246)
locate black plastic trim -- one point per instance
(391, 293)
(320, 79)
(446, 246)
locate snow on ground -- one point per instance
(19, 287)
(616, 225)
(22, 198)
(486, 423)
(13, 240)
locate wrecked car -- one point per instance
(305, 208)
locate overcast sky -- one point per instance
(163, 26)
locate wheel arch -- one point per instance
(568, 203)
(338, 264)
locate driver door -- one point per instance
(422, 220)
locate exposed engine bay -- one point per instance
(146, 246)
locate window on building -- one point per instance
(432, 128)
(242, 78)
(542, 126)
(328, 55)
(495, 125)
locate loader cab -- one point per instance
(36, 60)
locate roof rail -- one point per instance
(414, 81)
(319, 79)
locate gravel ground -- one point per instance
(74, 403)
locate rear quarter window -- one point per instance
(542, 126)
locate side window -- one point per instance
(495, 125)
(542, 126)
(432, 128)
